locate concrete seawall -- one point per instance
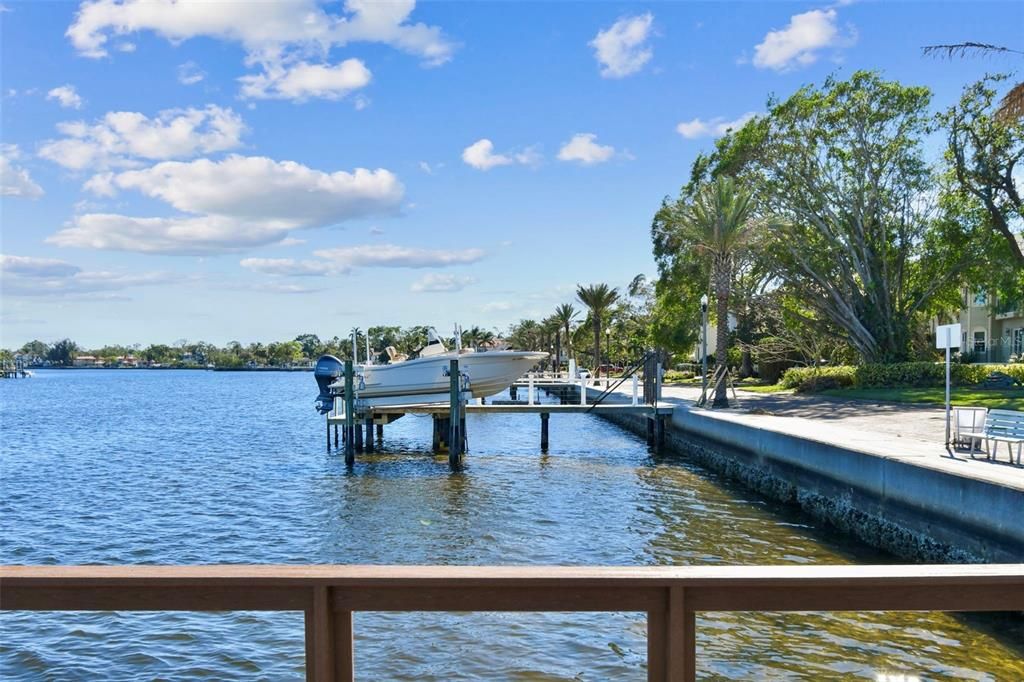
(911, 508)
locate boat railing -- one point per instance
(669, 596)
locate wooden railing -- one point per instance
(670, 596)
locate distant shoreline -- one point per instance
(195, 369)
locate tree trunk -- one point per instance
(722, 276)
(597, 346)
(746, 364)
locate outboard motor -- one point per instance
(328, 369)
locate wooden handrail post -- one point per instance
(329, 650)
(657, 646)
(671, 641)
(681, 638)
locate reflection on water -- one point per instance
(204, 467)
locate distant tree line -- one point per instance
(183, 353)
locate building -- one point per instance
(87, 361)
(992, 330)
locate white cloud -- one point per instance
(712, 128)
(29, 276)
(66, 95)
(302, 80)
(392, 256)
(583, 149)
(437, 282)
(27, 266)
(122, 138)
(360, 102)
(498, 307)
(342, 260)
(273, 34)
(622, 49)
(799, 42)
(189, 73)
(230, 205)
(288, 266)
(480, 155)
(15, 181)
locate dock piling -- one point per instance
(544, 417)
(369, 434)
(350, 417)
(455, 422)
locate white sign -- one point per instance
(947, 336)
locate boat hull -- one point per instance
(488, 374)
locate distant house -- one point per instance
(128, 361)
(494, 344)
(992, 330)
(87, 361)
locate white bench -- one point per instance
(1001, 426)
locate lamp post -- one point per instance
(607, 353)
(704, 345)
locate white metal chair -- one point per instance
(969, 426)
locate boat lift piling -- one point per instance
(456, 421)
(350, 415)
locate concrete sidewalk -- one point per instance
(912, 433)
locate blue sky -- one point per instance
(253, 171)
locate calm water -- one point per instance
(200, 467)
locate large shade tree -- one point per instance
(862, 232)
(598, 298)
(985, 150)
(718, 225)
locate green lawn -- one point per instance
(1000, 399)
(763, 388)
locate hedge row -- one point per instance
(900, 375)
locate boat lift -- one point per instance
(357, 416)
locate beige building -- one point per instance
(992, 330)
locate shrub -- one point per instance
(899, 375)
(675, 375)
(811, 379)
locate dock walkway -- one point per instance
(911, 433)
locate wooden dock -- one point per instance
(359, 423)
(518, 408)
(14, 369)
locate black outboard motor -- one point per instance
(328, 369)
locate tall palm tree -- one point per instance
(717, 224)
(565, 313)
(598, 298)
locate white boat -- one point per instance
(426, 376)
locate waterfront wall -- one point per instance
(915, 512)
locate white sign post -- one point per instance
(944, 338)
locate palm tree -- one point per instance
(486, 337)
(564, 313)
(717, 224)
(472, 337)
(598, 298)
